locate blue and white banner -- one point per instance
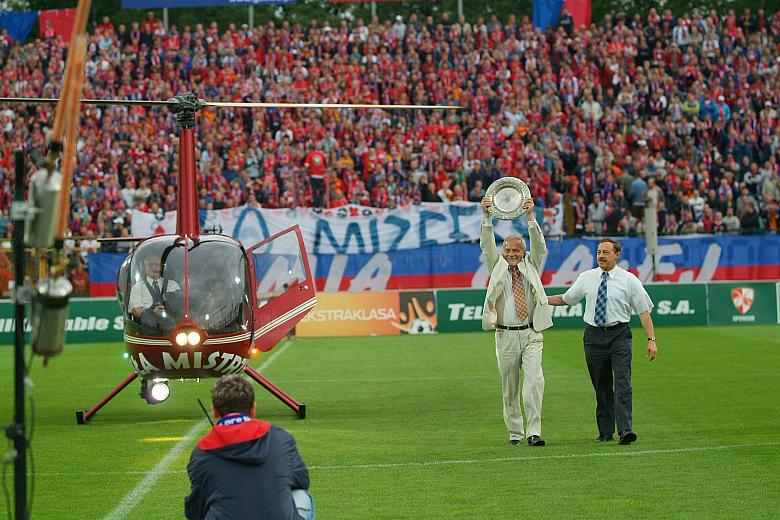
(684, 259)
(157, 4)
(352, 229)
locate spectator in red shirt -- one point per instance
(80, 280)
(316, 164)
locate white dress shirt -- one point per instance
(507, 313)
(625, 295)
(141, 297)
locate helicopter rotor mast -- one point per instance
(185, 107)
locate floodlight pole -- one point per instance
(16, 430)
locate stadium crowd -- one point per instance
(678, 110)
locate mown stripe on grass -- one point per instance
(455, 462)
(134, 497)
(543, 457)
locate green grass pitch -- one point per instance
(410, 427)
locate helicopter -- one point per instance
(189, 299)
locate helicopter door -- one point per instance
(284, 286)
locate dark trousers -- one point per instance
(318, 191)
(608, 354)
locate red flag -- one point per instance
(57, 22)
(580, 11)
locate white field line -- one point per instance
(544, 457)
(641, 453)
(490, 376)
(150, 479)
(277, 352)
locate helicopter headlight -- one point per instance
(181, 338)
(160, 391)
(193, 337)
(187, 334)
(155, 391)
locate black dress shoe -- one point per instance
(627, 437)
(514, 442)
(604, 438)
(535, 440)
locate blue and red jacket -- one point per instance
(245, 468)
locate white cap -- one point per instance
(721, 98)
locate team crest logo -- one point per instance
(742, 297)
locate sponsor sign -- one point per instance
(461, 310)
(417, 312)
(353, 314)
(677, 304)
(742, 302)
(567, 316)
(90, 320)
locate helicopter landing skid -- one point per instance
(83, 416)
(298, 408)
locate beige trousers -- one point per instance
(516, 349)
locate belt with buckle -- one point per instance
(521, 327)
(611, 327)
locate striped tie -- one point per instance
(600, 316)
(521, 307)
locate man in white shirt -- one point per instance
(146, 296)
(612, 295)
(516, 307)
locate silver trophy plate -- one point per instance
(509, 195)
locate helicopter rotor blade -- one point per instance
(220, 104)
(99, 102)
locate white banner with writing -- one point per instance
(349, 229)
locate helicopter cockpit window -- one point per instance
(156, 277)
(219, 300)
(278, 266)
(217, 286)
(122, 279)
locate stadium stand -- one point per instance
(682, 109)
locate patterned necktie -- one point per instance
(521, 307)
(600, 316)
(156, 288)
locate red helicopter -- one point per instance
(189, 299)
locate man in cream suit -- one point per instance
(517, 308)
